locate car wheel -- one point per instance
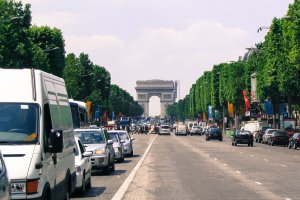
(221, 139)
(235, 144)
(106, 169)
(82, 188)
(89, 183)
(113, 166)
(248, 144)
(295, 146)
(232, 143)
(289, 146)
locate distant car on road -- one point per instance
(267, 134)
(94, 140)
(278, 137)
(294, 141)
(181, 130)
(164, 130)
(259, 133)
(196, 130)
(214, 133)
(242, 137)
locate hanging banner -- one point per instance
(230, 110)
(247, 103)
(210, 112)
(268, 107)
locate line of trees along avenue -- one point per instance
(276, 62)
(41, 47)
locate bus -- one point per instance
(79, 114)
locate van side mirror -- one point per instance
(56, 141)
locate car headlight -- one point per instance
(117, 149)
(99, 151)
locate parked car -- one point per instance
(214, 133)
(128, 142)
(94, 140)
(242, 137)
(294, 141)
(278, 137)
(196, 130)
(181, 130)
(83, 166)
(4, 184)
(164, 130)
(259, 133)
(118, 145)
(267, 134)
(190, 126)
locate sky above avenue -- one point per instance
(158, 39)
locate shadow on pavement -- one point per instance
(93, 192)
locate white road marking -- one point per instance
(215, 158)
(258, 183)
(238, 172)
(225, 164)
(269, 150)
(241, 152)
(251, 155)
(266, 160)
(284, 165)
(288, 199)
(121, 191)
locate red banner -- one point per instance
(247, 103)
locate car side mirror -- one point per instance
(132, 138)
(87, 154)
(56, 141)
(122, 141)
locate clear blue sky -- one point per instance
(158, 39)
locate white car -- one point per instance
(128, 147)
(118, 145)
(96, 141)
(83, 167)
(164, 130)
(181, 130)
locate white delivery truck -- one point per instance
(36, 134)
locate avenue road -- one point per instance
(188, 167)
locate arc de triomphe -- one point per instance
(165, 90)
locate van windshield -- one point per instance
(18, 123)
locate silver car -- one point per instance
(128, 147)
(118, 145)
(96, 141)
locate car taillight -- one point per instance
(298, 139)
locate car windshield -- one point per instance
(19, 123)
(214, 130)
(277, 133)
(165, 127)
(91, 137)
(243, 133)
(113, 137)
(123, 135)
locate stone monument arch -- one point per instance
(166, 91)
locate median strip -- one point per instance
(120, 193)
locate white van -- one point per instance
(36, 134)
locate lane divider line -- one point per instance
(266, 160)
(238, 172)
(124, 187)
(284, 165)
(258, 183)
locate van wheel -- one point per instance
(295, 146)
(46, 194)
(67, 197)
(113, 166)
(106, 169)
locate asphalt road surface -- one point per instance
(188, 167)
